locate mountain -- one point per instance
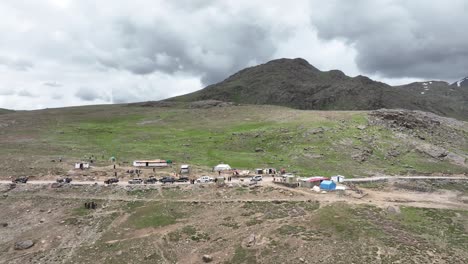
(461, 83)
(297, 84)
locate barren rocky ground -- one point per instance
(401, 221)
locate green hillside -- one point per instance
(5, 111)
(306, 142)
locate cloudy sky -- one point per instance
(72, 52)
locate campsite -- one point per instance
(327, 179)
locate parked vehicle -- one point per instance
(150, 180)
(204, 179)
(21, 179)
(256, 178)
(64, 180)
(182, 179)
(135, 181)
(167, 179)
(111, 180)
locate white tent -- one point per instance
(81, 165)
(222, 167)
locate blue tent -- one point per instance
(327, 185)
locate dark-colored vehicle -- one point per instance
(64, 180)
(111, 180)
(167, 179)
(182, 179)
(21, 179)
(150, 180)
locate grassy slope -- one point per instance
(290, 138)
(5, 111)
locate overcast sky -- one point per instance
(72, 52)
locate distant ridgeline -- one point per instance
(297, 84)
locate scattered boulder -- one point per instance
(393, 210)
(362, 155)
(24, 244)
(207, 258)
(393, 153)
(433, 151)
(361, 127)
(259, 150)
(250, 240)
(316, 189)
(3, 224)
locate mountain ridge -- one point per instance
(298, 84)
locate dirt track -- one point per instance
(442, 199)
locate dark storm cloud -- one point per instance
(89, 94)
(218, 50)
(424, 39)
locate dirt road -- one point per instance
(266, 179)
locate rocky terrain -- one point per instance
(297, 84)
(401, 221)
(428, 133)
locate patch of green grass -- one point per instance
(447, 226)
(231, 224)
(253, 222)
(348, 222)
(131, 206)
(156, 215)
(290, 230)
(461, 186)
(276, 210)
(200, 236)
(242, 255)
(301, 232)
(189, 230)
(172, 192)
(81, 211)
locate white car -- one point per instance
(135, 181)
(256, 178)
(203, 179)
